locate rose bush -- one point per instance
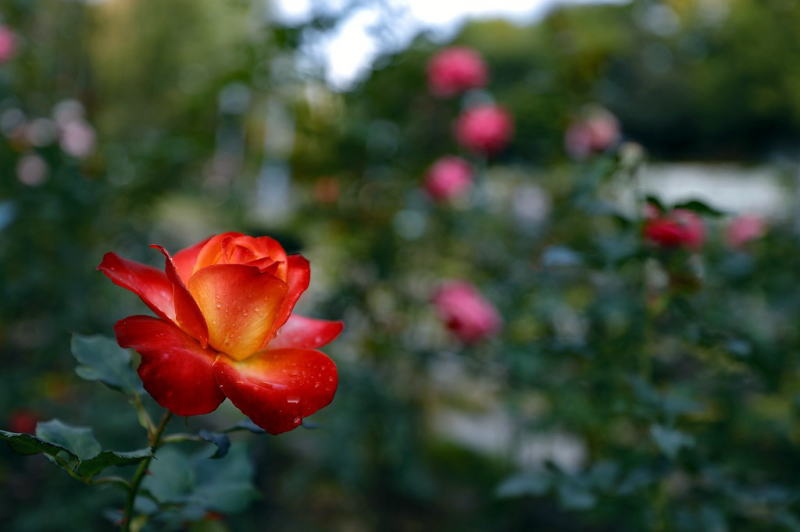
(225, 328)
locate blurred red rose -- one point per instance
(455, 70)
(23, 421)
(595, 133)
(8, 44)
(743, 229)
(448, 178)
(676, 228)
(466, 312)
(225, 328)
(484, 129)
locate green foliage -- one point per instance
(74, 449)
(198, 485)
(102, 359)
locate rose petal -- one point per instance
(236, 248)
(186, 258)
(239, 304)
(298, 277)
(306, 333)
(150, 284)
(187, 313)
(175, 369)
(278, 388)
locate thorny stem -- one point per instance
(136, 481)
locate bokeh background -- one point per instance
(628, 388)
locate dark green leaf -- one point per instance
(80, 441)
(223, 485)
(655, 202)
(222, 442)
(247, 425)
(28, 444)
(89, 468)
(699, 207)
(670, 441)
(525, 484)
(103, 360)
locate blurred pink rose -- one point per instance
(484, 129)
(743, 229)
(466, 312)
(595, 133)
(455, 70)
(448, 178)
(32, 170)
(676, 228)
(77, 138)
(8, 44)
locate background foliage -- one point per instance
(630, 388)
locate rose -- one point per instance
(484, 129)
(448, 178)
(676, 228)
(743, 229)
(225, 328)
(594, 134)
(8, 44)
(456, 69)
(466, 312)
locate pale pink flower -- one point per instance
(455, 70)
(448, 178)
(596, 132)
(743, 229)
(32, 170)
(77, 138)
(484, 129)
(8, 44)
(465, 312)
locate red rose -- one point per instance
(23, 421)
(455, 70)
(449, 177)
(484, 129)
(466, 312)
(677, 228)
(225, 328)
(743, 229)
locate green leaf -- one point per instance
(28, 444)
(670, 441)
(89, 468)
(655, 202)
(80, 441)
(73, 448)
(222, 442)
(247, 425)
(223, 485)
(699, 207)
(525, 484)
(575, 497)
(103, 360)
